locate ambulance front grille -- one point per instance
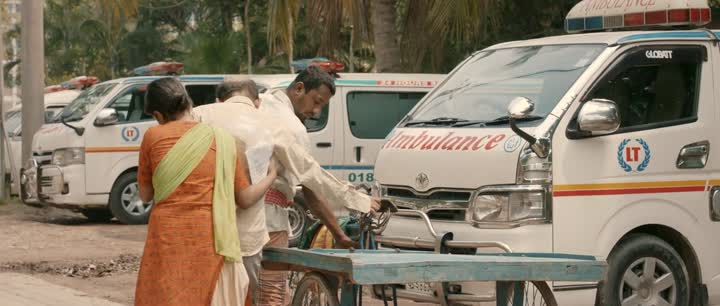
(442, 205)
(46, 181)
(43, 158)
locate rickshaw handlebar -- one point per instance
(416, 242)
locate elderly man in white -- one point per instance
(276, 124)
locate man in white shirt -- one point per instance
(239, 116)
(306, 96)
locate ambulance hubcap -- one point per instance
(297, 222)
(131, 202)
(648, 281)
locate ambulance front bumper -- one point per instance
(62, 187)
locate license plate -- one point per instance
(420, 287)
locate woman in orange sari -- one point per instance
(196, 176)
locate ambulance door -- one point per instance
(108, 147)
(651, 171)
(370, 116)
(325, 142)
(712, 272)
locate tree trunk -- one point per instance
(291, 42)
(248, 40)
(387, 50)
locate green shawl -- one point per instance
(183, 158)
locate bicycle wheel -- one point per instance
(315, 290)
(535, 293)
(293, 281)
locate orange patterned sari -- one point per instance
(179, 264)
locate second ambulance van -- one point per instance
(88, 162)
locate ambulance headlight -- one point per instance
(68, 156)
(509, 206)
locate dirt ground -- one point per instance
(64, 248)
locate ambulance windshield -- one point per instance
(85, 102)
(481, 90)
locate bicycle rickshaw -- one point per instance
(520, 278)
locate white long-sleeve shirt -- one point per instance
(292, 149)
(276, 122)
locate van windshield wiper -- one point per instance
(497, 121)
(440, 121)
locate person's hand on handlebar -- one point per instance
(344, 242)
(374, 205)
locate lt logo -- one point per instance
(130, 134)
(633, 155)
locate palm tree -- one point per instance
(425, 28)
(387, 49)
(282, 16)
(248, 38)
(109, 25)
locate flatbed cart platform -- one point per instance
(510, 271)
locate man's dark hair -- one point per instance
(168, 97)
(228, 88)
(313, 77)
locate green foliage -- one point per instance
(207, 52)
(90, 36)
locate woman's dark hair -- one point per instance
(168, 97)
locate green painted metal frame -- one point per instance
(369, 267)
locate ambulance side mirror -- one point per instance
(598, 117)
(107, 116)
(520, 108)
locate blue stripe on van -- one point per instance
(202, 78)
(343, 167)
(661, 35)
(182, 78)
(341, 82)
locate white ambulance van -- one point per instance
(55, 99)
(54, 103)
(88, 162)
(595, 143)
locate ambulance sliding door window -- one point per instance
(318, 123)
(654, 86)
(372, 115)
(201, 94)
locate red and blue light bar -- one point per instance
(159, 68)
(323, 63)
(597, 15)
(74, 83)
(694, 16)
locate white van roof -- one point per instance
(63, 97)
(613, 38)
(282, 80)
(58, 98)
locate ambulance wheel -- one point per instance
(125, 202)
(645, 270)
(298, 220)
(97, 215)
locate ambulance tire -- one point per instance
(121, 186)
(631, 255)
(97, 215)
(299, 221)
